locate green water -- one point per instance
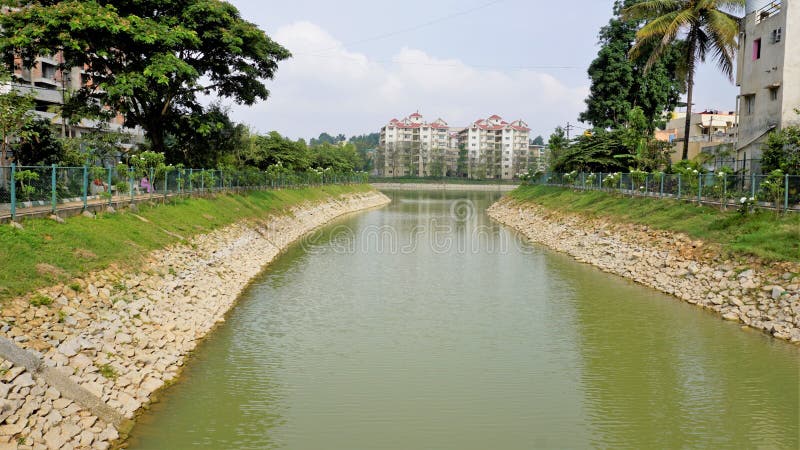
(424, 325)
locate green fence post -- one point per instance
(166, 185)
(202, 180)
(130, 181)
(679, 185)
(53, 197)
(786, 194)
(191, 175)
(699, 188)
(85, 186)
(725, 190)
(661, 191)
(110, 194)
(150, 183)
(13, 191)
(753, 185)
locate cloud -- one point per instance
(326, 87)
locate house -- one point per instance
(709, 128)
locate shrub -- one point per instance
(40, 300)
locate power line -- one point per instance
(415, 27)
(443, 64)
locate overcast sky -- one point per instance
(357, 64)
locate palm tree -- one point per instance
(705, 26)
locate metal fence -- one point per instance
(24, 189)
(708, 188)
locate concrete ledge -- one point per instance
(445, 187)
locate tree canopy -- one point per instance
(706, 27)
(620, 83)
(146, 59)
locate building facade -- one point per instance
(414, 147)
(50, 87)
(710, 131)
(768, 74)
(496, 148)
(489, 148)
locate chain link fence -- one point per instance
(724, 189)
(25, 189)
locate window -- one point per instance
(773, 94)
(757, 49)
(776, 35)
(749, 104)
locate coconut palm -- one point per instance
(705, 26)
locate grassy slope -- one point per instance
(764, 234)
(84, 244)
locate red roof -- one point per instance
(416, 114)
(495, 117)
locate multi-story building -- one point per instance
(538, 158)
(414, 147)
(496, 148)
(710, 129)
(50, 87)
(768, 74)
(493, 148)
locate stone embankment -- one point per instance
(761, 296)
(122, 336)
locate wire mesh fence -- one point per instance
(721, 188)
(25, 189)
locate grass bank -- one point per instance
(764, 234)
(45, 252)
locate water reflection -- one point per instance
(427, 325)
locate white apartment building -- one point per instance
(413, 147)
(768, 74)
(496, 148)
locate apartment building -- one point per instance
(710, 130)
(768, 74)
(496, 148)
(538, 158)
(414, 147)
(50, 87)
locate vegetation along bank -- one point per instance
(743, 266)
(135, 294)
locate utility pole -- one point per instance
(568, 128)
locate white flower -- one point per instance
(752, 199)
(743, 199)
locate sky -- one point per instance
(358, 64)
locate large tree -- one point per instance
(707, 27)
(619, 83)
(146, 59)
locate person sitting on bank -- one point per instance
(145, 185)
